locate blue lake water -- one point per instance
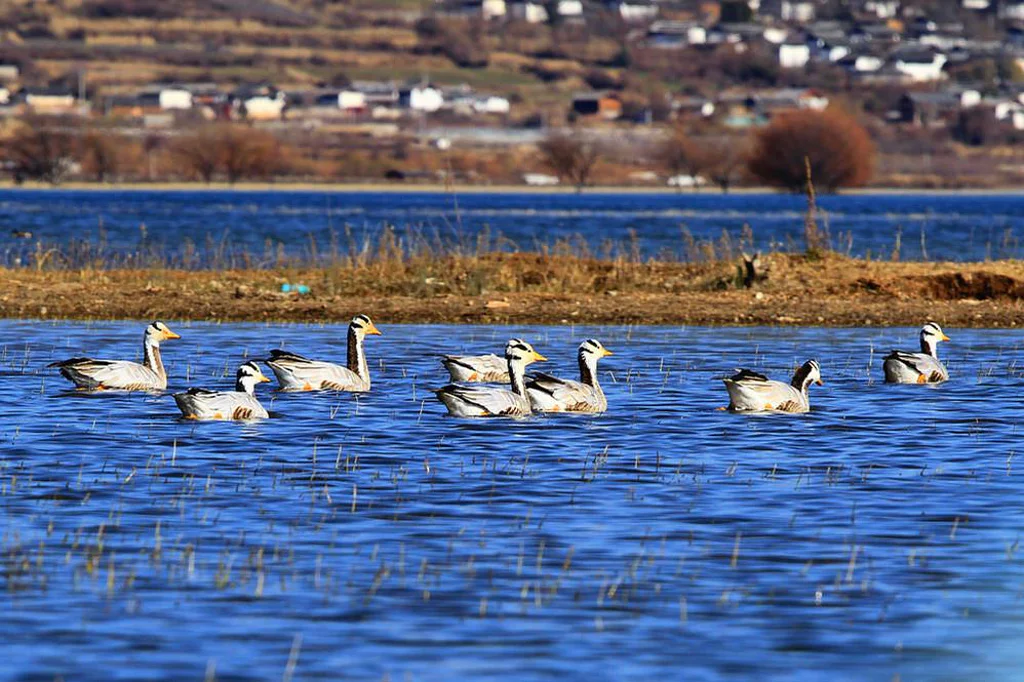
(253, 227)
(375, 537)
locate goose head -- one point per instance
(591, 351)
(157, 332)
(931, 335)
(248, 375)
(362, 326)
(808, 373)
(520, 354)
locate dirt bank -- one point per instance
(529, 288)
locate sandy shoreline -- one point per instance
(533, 289)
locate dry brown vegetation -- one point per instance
(837, 148)
(542, 288)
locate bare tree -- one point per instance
(571, 157)
(237, 151)
(42, 149)
(725, 157)
(679, 154)
(247, 153)
(100, 154)
(198, 153)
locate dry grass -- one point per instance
(547, 288)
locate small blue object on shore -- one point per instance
(296, 288)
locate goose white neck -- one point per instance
(517, 377)
(357, 356)
(929, 346)
(588, 370)
(151, 353)
(246, 384)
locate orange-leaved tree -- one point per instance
(838, 148)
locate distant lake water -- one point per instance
(254, 226)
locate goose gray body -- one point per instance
(122, 375)
(295, 372)
(481, 400)
(548, 393)
(238, 405)
(753, 392)
(482, 368)
(903, 367)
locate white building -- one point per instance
(570, 8)
(883, 9)
(175, 98)
(493, 9)
(529, 11)
(798, 11)
(921, 68)
(492, 104)
(351, 100)
(264, 107)
(49, 100)
(1012, 9)
(794, 56)
(776, 35)
(425, 98)
(635, 10)
(867, 63)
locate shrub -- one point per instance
(838, 149)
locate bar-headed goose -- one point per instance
(123, 375)
(297, 373)
(479, 400)
(489, 368)
(918, 368)
(753, 392)
(240, 404)
(551, 394)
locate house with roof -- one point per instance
(606, 105)
(569, 9)
(1011, 10)
(676, 34)
(262, 102)
(50, 100)
(634, 10)
(485, 9)
(882, 9)
(794, 55)
(919, 65)
(935, 109)
(530, 11)
(423, 97)
(798, 11)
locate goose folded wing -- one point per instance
(119, 373)
(912, 360)
(493, 400)
(285, 357)
(747, 375)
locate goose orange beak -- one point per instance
(373, 331)
(946, 338)
(605, 353)
(537, 357)
(171, 335)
